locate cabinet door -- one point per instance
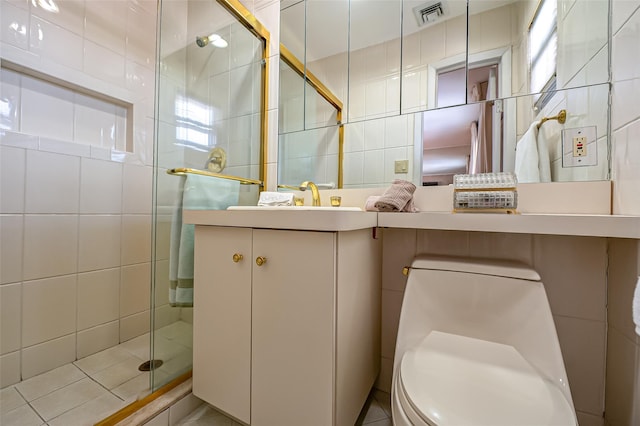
(222, 319)
(293, 328)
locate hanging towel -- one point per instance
(532, 157)
(527, 156)
(544, 163)
(196, 193)
(397, 198)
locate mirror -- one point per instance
(407, 57)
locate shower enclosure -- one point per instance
(211, 91)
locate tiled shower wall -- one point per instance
(75, 211)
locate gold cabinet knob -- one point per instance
(237, 257)
(261, 260)
(405, 271)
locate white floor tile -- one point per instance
(50, 381)
(138, 346)
(102, 360)
(384, 399)
(22, 416)
(10, 399)
(207, 416)
(374, 413)
(167, 349)
(90, 412)
(120, 373)
(384, 422)
(69, 397)
(132, 389)
(176, 330)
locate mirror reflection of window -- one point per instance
(543, 46)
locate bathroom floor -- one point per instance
(376, 412)
(92, 388)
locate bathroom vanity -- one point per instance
(286, 314)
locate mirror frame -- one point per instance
(290, 59)
(251, 23)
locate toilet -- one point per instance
(477, 345)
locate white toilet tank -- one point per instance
(491, 300)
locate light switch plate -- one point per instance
(402, 166)
(579, 147)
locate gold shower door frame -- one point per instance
(246, 18)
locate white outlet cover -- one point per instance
(591, 159)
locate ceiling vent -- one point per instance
(429, 13)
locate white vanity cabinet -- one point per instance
(292, 341)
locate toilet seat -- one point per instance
(455, 380)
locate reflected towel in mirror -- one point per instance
(532, 157)
(196, 193)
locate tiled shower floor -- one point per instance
(92, 388)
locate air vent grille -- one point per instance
(429, 13)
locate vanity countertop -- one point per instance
(306, 220)
(591, 225)
(526, 223)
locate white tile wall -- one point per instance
(64, 269)
(98, 338)
(45, 39)
(135, 289)
(101, 186)
(46, 109)
(136, 239)
(51, 242)
(134, 326)
(104, 24)
(46, 356)
(11, 248)
(10, 316)
(98, 297)
(52, 184)
(9, 369)
(48, 309)
(625, 112)
(15, 24)
(98, 242)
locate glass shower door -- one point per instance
(209, 153)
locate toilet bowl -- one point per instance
(477, 345)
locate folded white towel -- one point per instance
(275, 199)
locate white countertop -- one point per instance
(304, 219)
(557, 224)
(345, 220)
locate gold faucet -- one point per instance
(315, 194)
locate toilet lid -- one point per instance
(457, 380)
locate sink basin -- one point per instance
(296, 208)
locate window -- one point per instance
(543, 44)
(193, 123)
